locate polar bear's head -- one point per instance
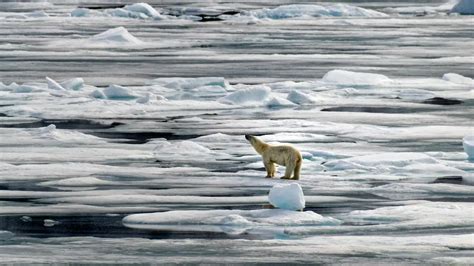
(256, 143)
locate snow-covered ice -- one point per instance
(468, 144)
(464, 7)
(122, 128)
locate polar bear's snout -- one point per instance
(248, 137)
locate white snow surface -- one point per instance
(345, 77)
(229, 221)
(302, 11)
(119, 35)
(135, 11)
(287, 196)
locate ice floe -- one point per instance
(287, 196)
(420, 215)
(464, 7)
(468, 144)
(302, 11)
(254, 95)
(229, 221)
(299, 97)
(345, 77)
(136, 11)
(456, 78)
(400, 163)
(118, 35)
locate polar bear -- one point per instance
(285, 155)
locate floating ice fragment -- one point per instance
(137, 10)
(50, 222)
(143, 8)
(300, 97)
(5, 235)
(24, 89)
(279, 102)
(287, 196)
(354, 78)
(468, 145)
(183, 150)
(73, 84)
(228, 221)
(456, 78)
(190, 83)
(116, 92)
(26, 219)
(253, 94)
(83, 12)
(53, 85)
(118, 35)
(299, 11)
(464, 7)
(98, 94)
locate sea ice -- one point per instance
(301, 11)
(118, 35)
(420, 214)
(456, 78)
(287, 196)
(73, 84)
(253, 95)
(299, 97)
(229, 221)
(184, 151)
(468, 145)
(53, 85)
(345, 77)
(116, 92)
(137, 10)
(190, 83)
(464, 7)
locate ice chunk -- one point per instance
(355, 78)
(150, 98)
(64, 136)
(73, 84)
(53, 85)
(298, 11)
(419, 215)
(183, 151)
(279, 102)
(190, 83)
(5, 235)
(137, 10)
(456, 78)
(300, 97)
(25, 89)
(143, 8)
(115, 92)
(118, 35)
(50, 222)
(83, 12)
(250, 95)
(464, 7)
(98, 94)
(287, 196)
(468, 145)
